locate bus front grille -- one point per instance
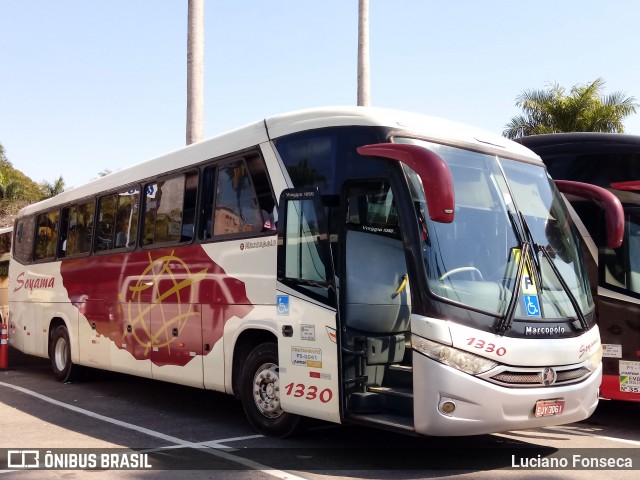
(534, 377)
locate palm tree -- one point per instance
(195, 71)
(585, 109)
(364, 87)
(52, 189)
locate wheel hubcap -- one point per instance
(60, 354)
(266, 390)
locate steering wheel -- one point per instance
(460, 270)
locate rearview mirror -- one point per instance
(430, 167)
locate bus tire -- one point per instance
(260, 392)
(60, 354)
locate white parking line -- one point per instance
(587, 434)
(215, 448)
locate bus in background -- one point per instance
(611, 161)
(354, 265)
(5, 255)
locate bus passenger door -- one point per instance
(306, 309)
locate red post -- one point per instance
(4, 348)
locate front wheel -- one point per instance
(60, 354)
(260, 393)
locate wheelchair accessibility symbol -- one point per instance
(532, 305)
(282, 304)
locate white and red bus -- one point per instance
(354, 265)
(611, 161)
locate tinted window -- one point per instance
(237, 199)
(24, 235)
(621, 266)
(5, 242)
(170, 210)
(325, 158)
(47, 235)
(236, 206)
(118, 219)
(77, 228)
(602, 168)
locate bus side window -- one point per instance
(25, 234)
(106, 219)
(236, 206)
(83, 228)
(264, 194)
(170, 210)
(126, 224)
(5, 242)
(47, 236)
(76, 228)
(64, 232)
(117, 220)
(189, 207)
(237, 199)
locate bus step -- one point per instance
(397, 367)
(385, 420)
(399, 400)
(366, 402)
(400, 376)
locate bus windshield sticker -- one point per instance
(528, 284)
(532, 306)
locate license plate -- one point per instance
(547, 408)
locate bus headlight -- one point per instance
(594, 360)
(464, 361)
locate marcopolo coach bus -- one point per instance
(347, 264)
(611, 161)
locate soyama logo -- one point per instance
(33, 283)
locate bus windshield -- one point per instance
(501, 205)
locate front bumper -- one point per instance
(482, 407)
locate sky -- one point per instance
(94, 85)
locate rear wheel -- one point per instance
(60, 354)
(260, 393)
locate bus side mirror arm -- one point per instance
(431, 168)
(614, 214)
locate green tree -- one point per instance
(52, 189)
(9, 190)
(14, 185)
(16, 190)
(585, 109)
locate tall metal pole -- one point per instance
(195, 72)
(364, 87)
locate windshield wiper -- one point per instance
(565, 287)
(506, 320)
(538, 272)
